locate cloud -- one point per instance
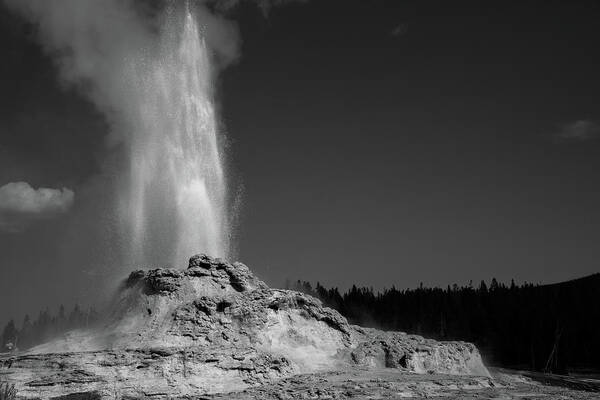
(399, 30)
(20, 204)
(578, 131)
(264, 6)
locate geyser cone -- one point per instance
(175, 201)
(215, 327)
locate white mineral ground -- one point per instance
(214, 330)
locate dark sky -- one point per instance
(377, 142)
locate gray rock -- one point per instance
(214, 327)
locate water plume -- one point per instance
(176, 187)
(149, 68)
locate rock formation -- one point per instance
(215, 328)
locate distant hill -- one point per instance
(589, 281)
(554, 327)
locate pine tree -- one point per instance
(9, 336)
(26, 333)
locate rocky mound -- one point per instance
(214, 328)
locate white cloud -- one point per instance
(400, 30)
(20, 204)
(578, 131)
(264, 5)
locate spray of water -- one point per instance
(148, 67)
(175, 192)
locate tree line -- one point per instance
(551, 328)
(45, 327)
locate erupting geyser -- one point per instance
(174, 202)
(148, 68)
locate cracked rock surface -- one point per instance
(215, 328)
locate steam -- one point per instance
(150, 71)
(176, 189)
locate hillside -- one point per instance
(539, 327)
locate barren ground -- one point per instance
(395, 384)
